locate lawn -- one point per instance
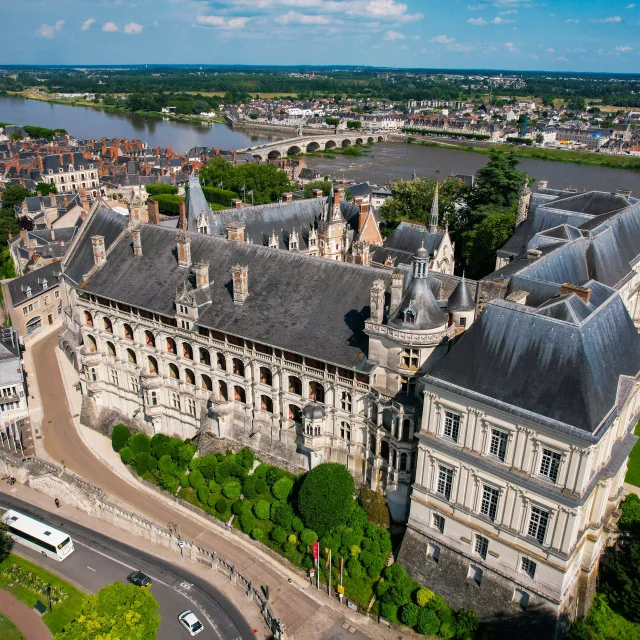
(25, 590)
(633, 472)
(8, 630)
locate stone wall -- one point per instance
(103, 419)
(492, 600)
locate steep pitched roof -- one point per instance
(34, 281)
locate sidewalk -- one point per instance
(28, 622)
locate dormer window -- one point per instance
(90, 166)
(50, 171)
(28, 292)
(45, 284)
(409, 316)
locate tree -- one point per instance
(332, 122)
(116, 611)
(326, 497)
(282, 488)
(45, 189)
(157, 189)
(354, 124)
(375, 504)
(325, 185)
(620, 578)
(6, 542)
(13, 196)
(428, 622)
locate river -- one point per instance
(388, 161)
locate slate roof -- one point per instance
(311, 306)
(461, 299)
(35, 281)
(404, 241)
(563, 366)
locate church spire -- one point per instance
(433, 218)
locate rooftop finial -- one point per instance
(433, 218)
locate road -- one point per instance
(99, 560)
(62, 443)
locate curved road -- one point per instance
(98, 560)
(62, 442)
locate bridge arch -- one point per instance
(292, 151)
(258, 157)
(330, 144)
(359, 141)
(273, 155)
(313, 146)
(370, 139)
(346, 143)
(380, 139)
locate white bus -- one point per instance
(36, 535)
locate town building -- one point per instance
(70, 172)
(14, 413)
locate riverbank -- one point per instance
(552, 155)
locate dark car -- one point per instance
(139, 579)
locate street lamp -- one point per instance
(48, 590)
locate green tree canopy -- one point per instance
(44, 188)
(13, 196)
(326, 497)
(119, 612)
(325, 185)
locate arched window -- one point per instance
(88, 319)
(174, 372)
(403, 462)
(265, 376)
(295, 413)
(153, 366)
(131, 356)
(295, 385)
(190, 377)
(205, 358)
(221, 361)
(111, 350)
(316, 391)
(266, 404)
(128, 331)
(406, 425)
(238, 367)
(223, 390)
(409, 317)
(108, 327)
(171, 346)
(345, 431)
(91, 344)
(187, 351)
(149, 339)
(239, 395)
(346, 401)
(207, 385)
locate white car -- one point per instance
(190, 622)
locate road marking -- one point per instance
(186, 585)
(90, 568)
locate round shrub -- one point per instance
(164, 464)
(184, 481)
(354, 550)
(152, 465)
(351, 537)
(221, 505)
(159, 438)
(428, 622)
(222, 472)
(196, 480)
(162, 449)
(140, 443)
(424, 596)
(261, 486)
(261, 470)
(203, 494)
(366, 558)
(282, 488)
(213, 486)
(279, 535)
(142, 462)
(389, 612)
(326, 496)
(354, 568)
(274, 474)
(186, 452)
(231, 489)
(257, 534)
(207, 465)
(281, 514)
(213, 498)
(247, 522)
(467, 621)
(241, 506)
(120, 437)
(238, 471)
(357, 518)
(261, 509)
(374, 569)
(195, 463)
(447, 631)
(442, 609)
(169, 482)
(409, 614)
(249, 487)
(297, 524)
(126, 455)
(246, 458)
(308, 537)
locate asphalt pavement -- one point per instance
(99, 560)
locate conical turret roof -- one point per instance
(461, 298)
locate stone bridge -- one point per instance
(308, 144)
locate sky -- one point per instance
(555, 35)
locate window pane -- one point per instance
(451, 425)
(445, 482)
(489, 505)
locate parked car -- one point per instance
(190, 622)
(139, 579)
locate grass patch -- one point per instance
(63, 612)
(633, 471)
(8, 630)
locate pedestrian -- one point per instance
(57, 501)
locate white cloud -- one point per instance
(294, 17)
(624, 49)
(133, 28)
(499, 20)
(394, 35)
(415, 37)
(110, 27)
(477, 7)
(86, 25)
(630, 6)
(510, 12)
(511, 47)
(573, 20)
(614, 19)
(222, 22)
(442, 39)
(49, 30)
(562, 59)
(459, 47)
(477, 21)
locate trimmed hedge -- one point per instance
(120, 437)
(160, 189)
(140, 443)
(168, 204)
(215, 195)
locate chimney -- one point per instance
(377, 302)
(519, 297)
(65, 202)
(99, 256)
(234, 157)
(235, 232)
(397, 286)
(363, 208)
(154, 212)
(287, 197)
(625, 193)
(182, 220)
(52, 200)
(201, 270)
(317, 193)
(240, 278)
(184, 249)
(533, 254)
(52, 234)
(137, 243)
(582, 292)
(236, 203)
(25, 207)
(337, 196)
(24, 237)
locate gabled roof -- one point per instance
(34, 281)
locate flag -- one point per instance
(242, 189)
(220, 185)
(250, 193)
